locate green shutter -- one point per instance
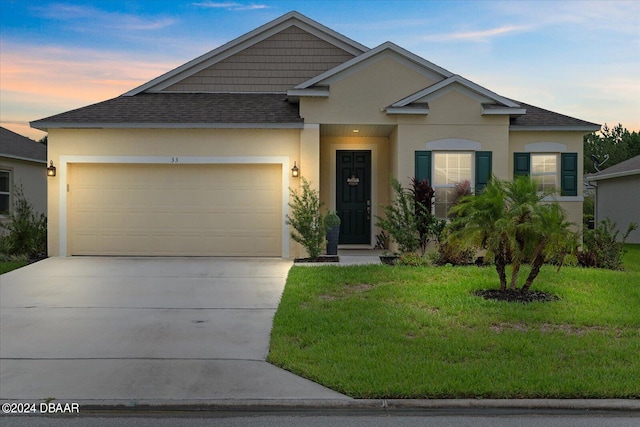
(521, 164)
(483, 169)
(423, 166)
(569, 174)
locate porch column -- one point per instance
(309, 163)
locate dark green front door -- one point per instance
(353, 196)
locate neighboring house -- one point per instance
(23, 163)
(198, 161)
(618, 195)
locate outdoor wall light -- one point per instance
(51, 170)
(295, 172)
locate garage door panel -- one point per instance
(188, 210)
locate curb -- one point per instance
(263, 405)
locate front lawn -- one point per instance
(418, 332)
(7, 266)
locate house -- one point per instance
(23, 163)
(618, 195)
(199, 160)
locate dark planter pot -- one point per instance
(333, 235)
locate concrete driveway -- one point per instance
(144, 330)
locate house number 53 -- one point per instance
(174, 160)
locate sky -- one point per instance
(579, 58)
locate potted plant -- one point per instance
(332, 227)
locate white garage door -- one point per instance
(177, 210)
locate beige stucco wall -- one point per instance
(171, 143)
(619, 200)
(452, 115)
(32, 176)
(361, 96)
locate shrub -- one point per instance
(449, 253)
(413, 259)
(331, 220)
(408, 219)
(307, 221)
(601, 248)
(26, 231)
(399, 219)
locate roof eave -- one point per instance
(612, 175)
(503, 111)
(561, 128)
(407, 110)
(25, 159)
(98, 125)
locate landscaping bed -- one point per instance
(421, 332)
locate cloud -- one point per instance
(229, 5)
(37, 81)
(478, 36)
(101, 19)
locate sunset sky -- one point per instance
(578, 58)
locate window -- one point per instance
(550, 174)
(5, 192)
(451, 170)
(544, 171)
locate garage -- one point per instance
(174, 210)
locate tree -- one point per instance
(306, 219)
(617, 143)
(511, 221)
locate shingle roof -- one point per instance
(628, 167)
(166, 109)
(537, 116)
(17, 146)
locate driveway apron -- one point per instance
(144, 329)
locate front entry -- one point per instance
(353, 196)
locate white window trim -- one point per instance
(163, 160)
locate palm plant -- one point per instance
(511, 221)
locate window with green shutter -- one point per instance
(521, 164)
(569, 174)
(423, 165)
(483, 169)
(543, 167)
(452, 168)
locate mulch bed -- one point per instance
(328, 258)
(517, 295)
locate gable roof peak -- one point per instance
(251, 38)
(380, 49)
(455, 78)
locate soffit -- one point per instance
(364, 131)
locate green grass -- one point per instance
(418, 332)
(631, 260)
(7, 266)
